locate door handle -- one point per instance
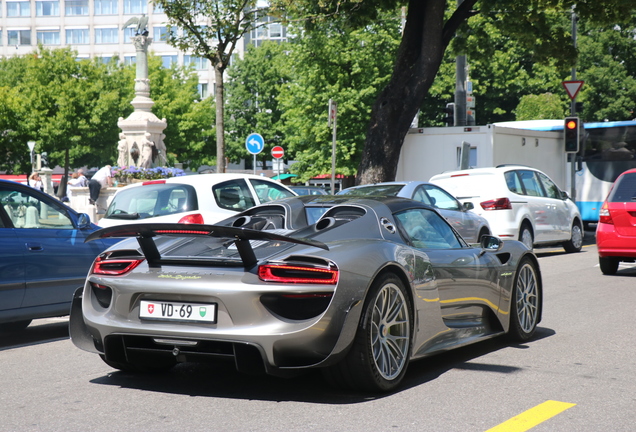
(34, 247)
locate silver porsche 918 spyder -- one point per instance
(355, 286)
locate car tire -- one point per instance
(379, 356)
(525, 235)
(14, 326)
(525, 305)
(609, 265)
(576, 241)
(482, 232)
(139, 368)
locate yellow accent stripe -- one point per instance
(529, 419)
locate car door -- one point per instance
(466, 278)
(560, 215)
(56, 259)
(464, 222)
(540, 208)
(12, 281)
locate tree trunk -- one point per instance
(220, 129)
(424, 41)
(61, 190)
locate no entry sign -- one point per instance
(278, 152)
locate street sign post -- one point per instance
(277, 153)
(254, 144)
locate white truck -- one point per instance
(430, 151)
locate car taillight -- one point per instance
(151, 182)
(604, 215)
(195, 218)
(284, 273)
(114, 267)
(496, 204)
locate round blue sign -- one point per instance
(254, 143)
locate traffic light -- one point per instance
(450, 114)
(571, 133)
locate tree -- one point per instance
(212, 29)
(253, 97)
(348, 65)
(427, 34)
(543, 106)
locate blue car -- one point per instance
(43, 257)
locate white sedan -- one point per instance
(201, 199)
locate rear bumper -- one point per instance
(612, 244)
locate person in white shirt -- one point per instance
(35, 181)
(102, 178)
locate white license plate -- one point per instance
(176, 311)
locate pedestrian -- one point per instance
(102, 178)
(35, 181)
(81, 180)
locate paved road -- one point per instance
(583, 355)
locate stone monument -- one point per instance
(141, 141)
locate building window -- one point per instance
(130, 60)
(106, 60)
(76, 7)
(77, 37)
(199, 63)
(48, 37)
(106, 35)
(18, 8)
(203, 90)
(135, 6)
(157, 8)
(47, 8)
(129, 33)
(160, 34)
(168, 60)
(106, 7)
(19, 37)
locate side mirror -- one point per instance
(490, 243)
(468, 206)
(84, 221)
(565, 195)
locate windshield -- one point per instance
(152, 200)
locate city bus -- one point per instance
(606, 150)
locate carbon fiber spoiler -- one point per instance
(242, 236)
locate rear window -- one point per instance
(624, 190)
(469, 185)
(378, 190)
(152, 200)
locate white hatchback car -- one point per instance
(201, 198)
(520, 203)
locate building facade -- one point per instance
(93, 28)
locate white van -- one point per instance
(520, 203)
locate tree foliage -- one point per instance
(253, 98)
(70, 106)
(538, 27)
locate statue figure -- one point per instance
(122, 148)
(147, 148)
(140, 25)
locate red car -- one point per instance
(616, 229)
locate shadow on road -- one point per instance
(40, 331)
(224, 381)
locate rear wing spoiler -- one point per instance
(241, 236)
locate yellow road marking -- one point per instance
(529, 419)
